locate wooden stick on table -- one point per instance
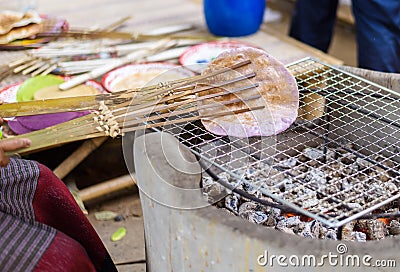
(78, 156)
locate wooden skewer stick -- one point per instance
(191, 119)
(135, 121)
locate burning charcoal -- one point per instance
(310, 203)
(390, 186)
(394, 227)
(289, 163)
(290, 222)
(347, 231)
(311, 229)
(334, 170)
(363, 164)
(225, 177)
(249, 188)
(316, 176)
(313, 153)
(346, 185)
(250, 173)
(349, 169)
(348, 158)
(275, 212)
(247, 209)
(303, 158)
(359, 236)
(271, 221)
(281, 185)
(382, 174)
(330, 155)
(212, 190)
(355, 206)
(232, 203)
(258, 217)
(330, 235)
(375, 229)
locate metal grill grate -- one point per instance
(339, 161)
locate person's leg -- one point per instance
(378, 34)
(35, 207)
(313, 22)
(54, 206)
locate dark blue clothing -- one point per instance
(377, 29)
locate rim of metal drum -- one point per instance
(341, 95)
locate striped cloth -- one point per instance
(42, 227)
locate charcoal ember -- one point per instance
(309, 203)
(258, 217)
(225, 177)
(330, 155)
(333, 170)
(289, 222)
(313, 153)
(274, 177)
(332, 188)
(302, 168)
(354, 206)
(276, 212)
(348, 158)
(394, 227)
(374, 229)
(288, 163)
(349, 169)
(363, 164)
(381, 173)
(314, 164)
(302, 158)
(311, 229)
(345, 184)
(330, 235)
(347, 231)
(250, 173)
(232, 203)
(247, 209)
(316, 176)
(358, 236)
(283, 184)
(390, 186)
(271, 221)
(212, 190)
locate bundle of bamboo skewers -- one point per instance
(117, 113)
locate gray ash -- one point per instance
(329, 171)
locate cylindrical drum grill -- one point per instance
(338, 162)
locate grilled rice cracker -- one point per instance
(277, 88)
(21, 33)
(10, 20)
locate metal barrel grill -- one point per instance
(338, 162)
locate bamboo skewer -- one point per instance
(121, 112)
(84, 103)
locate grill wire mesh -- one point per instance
(338, 161)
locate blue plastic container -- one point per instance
(233, 18)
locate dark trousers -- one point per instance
(377, 29)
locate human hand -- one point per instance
(11, 145)
(1, 119)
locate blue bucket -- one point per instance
(233, 18)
